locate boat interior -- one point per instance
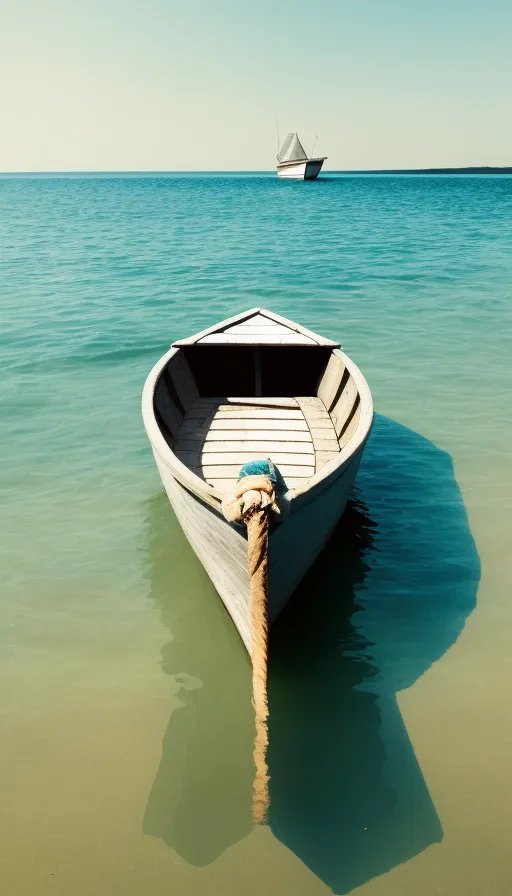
(219, 404)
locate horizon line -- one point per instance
(162, 171)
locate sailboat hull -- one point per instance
(309, 169)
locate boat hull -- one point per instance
(306, 170)
(293, 546)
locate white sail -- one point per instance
(292, 149)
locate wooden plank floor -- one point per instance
(321, 427)
(218, 435)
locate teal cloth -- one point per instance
(264, 468)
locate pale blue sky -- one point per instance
(154, 85)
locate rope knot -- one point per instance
(251, 493)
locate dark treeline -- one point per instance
(475, 170)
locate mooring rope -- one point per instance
(252, 504)
(257, 536)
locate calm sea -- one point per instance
(125, 690)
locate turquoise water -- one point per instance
(126, 750)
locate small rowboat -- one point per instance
(253, 387)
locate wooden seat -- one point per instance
(218, 435)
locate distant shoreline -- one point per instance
(484, 169)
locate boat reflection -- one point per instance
(200, 801)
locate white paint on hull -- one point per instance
(294, 545)
(307, 170)
(221, 548)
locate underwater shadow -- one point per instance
(200, 800)
(387, 598)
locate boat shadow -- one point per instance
(387, 598)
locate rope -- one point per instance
(257, 535)
(252, 504)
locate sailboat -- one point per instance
(292, 160)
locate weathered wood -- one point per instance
(263, 402)
(228, 339)
(160, 446)
(225, 485)
(196, 457)
(260, 435)
(312, 408)
(283, 414)
(351, 428)
(262, 446)
(244, 424)
(190, 457)
(222, 549)
(256, 321)
(227, 404)
(344, 405)
(281, 458)
(183, 380)
(321, 428)
(331, 381)
(298, 541)
(194, 429)
(317, 416)
(183, 475)
(226, 412)
(227, 470)
(312, 411)
(270, 329)
(167, 409)
(350, 452)
(327, 444)
(321, 432)
(323, 457)
(199, 413)
(197, 431)
(315, 502)
(312, 400)
(203, 336)
(320, 340)
(237, 318)
(205, 405)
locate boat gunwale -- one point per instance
(295, 497)
(356, 441)
(224, 326)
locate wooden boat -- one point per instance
(252, 387)
(293, 162)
